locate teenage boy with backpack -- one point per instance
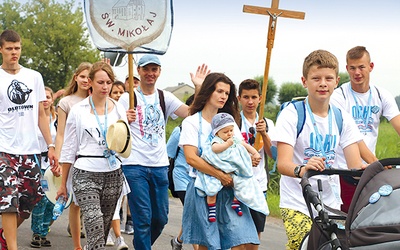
(315, 148)
(249, 98)
(366, 103)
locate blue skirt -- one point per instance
(228, 231)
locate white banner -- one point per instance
(138, 26)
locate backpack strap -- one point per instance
(162, 102)
(341, 89)
(379, 93)
(338, 118)
(178, 148)
(301, 115)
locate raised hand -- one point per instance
(200, 75)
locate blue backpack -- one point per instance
(301, 119)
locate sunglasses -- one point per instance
(252, 138)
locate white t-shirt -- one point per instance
(380, 104)
(43, 144)
(259, 172)
(83, 137)
(190, 134)
(20, 95)
(291, 195)
(148, 130)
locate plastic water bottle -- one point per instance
(58, 207)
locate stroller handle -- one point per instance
(312, 196)
(349, 172)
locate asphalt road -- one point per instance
(273, 238)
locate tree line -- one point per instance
(54, 36)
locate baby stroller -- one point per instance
(373, 220)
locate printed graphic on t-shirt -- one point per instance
(19, 93)
(95, 134)
(151, 123)
(329, 144)
(362, 115)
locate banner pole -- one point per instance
(130, 80)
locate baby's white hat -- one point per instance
(220, 121)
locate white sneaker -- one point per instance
(110, 241)
(120, 242)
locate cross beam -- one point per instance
(274, 12)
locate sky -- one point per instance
(220, 34)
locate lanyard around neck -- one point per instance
(156, 99)
(210, 136)
(317, 135)
(103, 131)
(358, 107)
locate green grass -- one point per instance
(388, 142)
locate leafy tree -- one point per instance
(290, 90)
(344, 77)
(54, 37)
(272, 89)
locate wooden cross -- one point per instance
(274, 12)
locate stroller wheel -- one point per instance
(304, 242)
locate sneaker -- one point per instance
(36, 241)
(129, 227)
(175, 244)
(3, 242)
(110, 241)
(45, 242)
(120, 242)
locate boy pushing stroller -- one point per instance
(314, 147)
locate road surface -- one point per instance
(273, 238)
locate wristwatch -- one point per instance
(297, 170)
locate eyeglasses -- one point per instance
(252, 138)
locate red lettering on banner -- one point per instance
(121, 32)
(150, 21)
(105, 16)
(109, 23)
(138, 31)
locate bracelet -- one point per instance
(51, 145)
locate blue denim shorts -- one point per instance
(228, 231)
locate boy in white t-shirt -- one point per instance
(249, 97)
(366, 103)
(315, 147)
(21, 112)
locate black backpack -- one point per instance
(171, 166)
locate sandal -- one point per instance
(36, 241)
(45, 242)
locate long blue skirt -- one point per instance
(228, 231)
